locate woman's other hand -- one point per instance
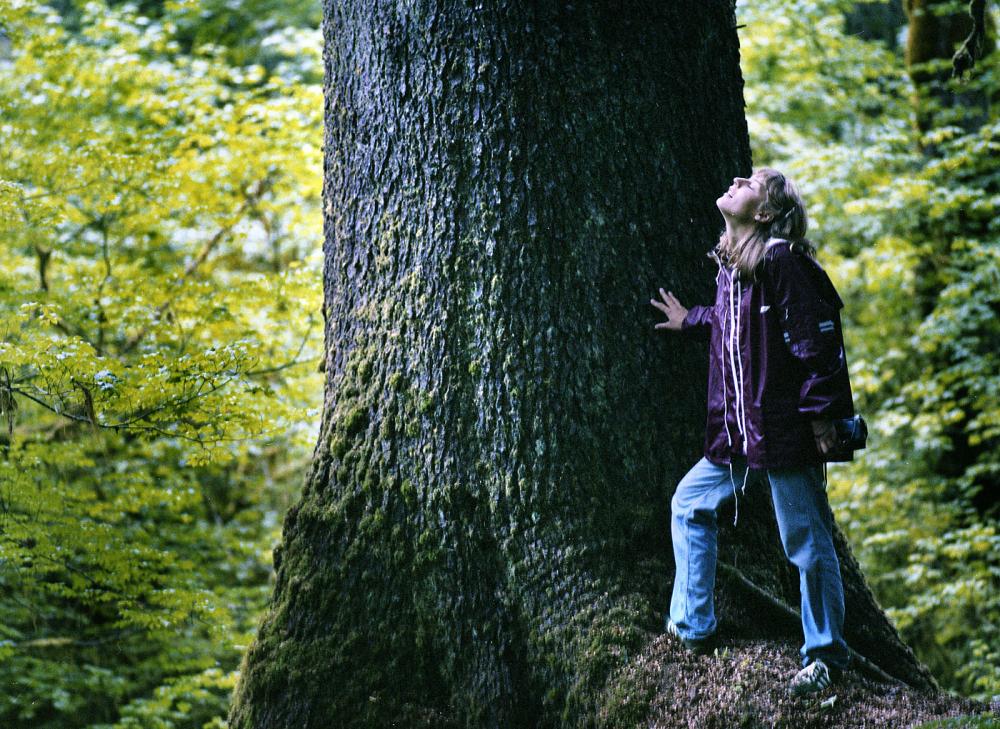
(825, 435)
(672, 308)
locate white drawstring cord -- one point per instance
(725, 421)
(734, 353)
(725, 400)
(733, 319)
(743, 488)
(735, 498)
(741, 413)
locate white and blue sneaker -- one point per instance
(814, 677)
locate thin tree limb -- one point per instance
(857, 659)
(975, 45)
(259, 189)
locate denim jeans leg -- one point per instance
(806, 527)
(694, 533)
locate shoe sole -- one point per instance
(799, 692)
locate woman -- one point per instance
(777, 379)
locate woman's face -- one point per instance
(743, 199)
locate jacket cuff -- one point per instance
(826, 397)
(695, 318)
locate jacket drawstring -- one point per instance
(733, 321)
(741, 413)
(725, 400)
(736, 355)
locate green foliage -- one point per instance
(908, 226)
(161, 330)
(962, 722)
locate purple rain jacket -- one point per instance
(776, 361)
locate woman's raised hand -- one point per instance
(672, 308)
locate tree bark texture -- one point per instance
(483, 538)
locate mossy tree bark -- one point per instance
(483, 537)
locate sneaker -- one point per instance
(814, 677)
(701, 646)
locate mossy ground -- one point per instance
(744, 685)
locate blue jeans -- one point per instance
(806, 528)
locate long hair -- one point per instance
(788, 221)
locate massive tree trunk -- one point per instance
(483, 537)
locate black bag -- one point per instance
(852, 434)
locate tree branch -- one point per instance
(857, 659)
(63, 642)
(974, 46)
(134, 423)
(259, 189)
(291, 363)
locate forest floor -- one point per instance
(744, 684)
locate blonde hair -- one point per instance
(788, 221)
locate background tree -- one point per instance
(482, 536)
(936, 30)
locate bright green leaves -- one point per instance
(175, 202)
(160, 332)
